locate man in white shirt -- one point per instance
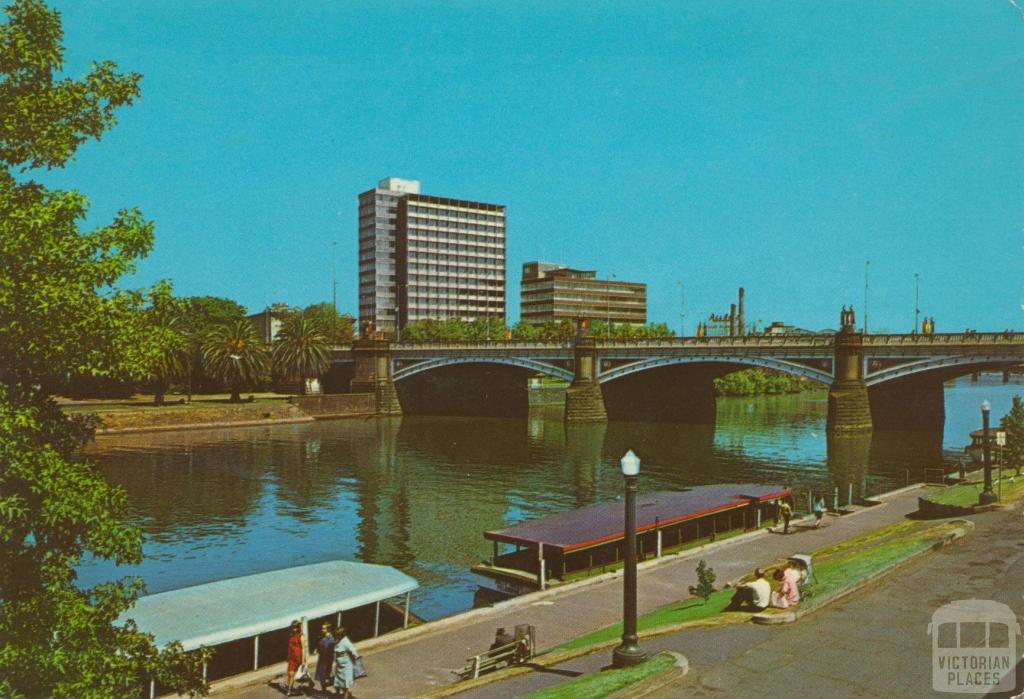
(754, 595)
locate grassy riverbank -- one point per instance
(140, 413)
(836, 568)
(966, 494)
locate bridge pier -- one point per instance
(584, 401)
(849, 408)
(372, 374)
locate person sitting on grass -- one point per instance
(754, 595)
(788, 594)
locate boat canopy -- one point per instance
(228, 610)
(601, 523)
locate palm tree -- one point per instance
(234, 353)
(301, 350)
(171, 353)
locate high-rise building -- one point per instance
(550, 292)
(425, 257)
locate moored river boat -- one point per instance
(555, 550)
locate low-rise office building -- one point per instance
(551, 292)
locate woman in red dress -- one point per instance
(296, 653)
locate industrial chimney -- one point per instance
(742, 328)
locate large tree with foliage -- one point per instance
(1013, 424)
(338, 327)
(301, 350)
(200, 314)
(61, 316)
(166, 317)
(235, 354)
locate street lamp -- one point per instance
(867, 263)
(987, 497)
(608, 308)
(917, 301)
(682, 309)
(629, 652)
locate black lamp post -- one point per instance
(987, 497)
(629, 652)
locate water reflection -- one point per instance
(417, 492)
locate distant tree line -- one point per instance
(205, 344)
(482, 329)
(759, 382)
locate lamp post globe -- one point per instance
(987, 497)
(629, 652)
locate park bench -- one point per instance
(513, 653)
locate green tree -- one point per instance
(235, 354)
(705, 581)
(1013, 424)
(166, 320)
(200, 314)
(301, 350)
(338, 327)
(61, 316)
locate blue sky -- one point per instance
(773, 145)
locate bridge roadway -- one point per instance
(893, 374)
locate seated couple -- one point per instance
(757, 594)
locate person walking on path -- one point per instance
(819, 511)
(325, 657)
(296, 653)
(345, 656)
(787, 514)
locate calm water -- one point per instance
(417, 492)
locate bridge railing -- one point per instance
(483, 345)
(722, 341)
(964, 338)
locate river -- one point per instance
(417, 492)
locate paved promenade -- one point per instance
(425, 662)
(873, 643)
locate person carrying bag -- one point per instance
(348, 664)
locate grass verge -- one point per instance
(966, 494)
(835, 568)
(608, 682)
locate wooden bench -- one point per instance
(514, 653)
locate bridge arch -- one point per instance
(782, 365)
(519, 362)
(939, 364)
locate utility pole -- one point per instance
(682, 309)
(867, 263)
(334, 289)
(917, 300)
(608, 309)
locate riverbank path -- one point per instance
(424, 662)
(874, 643)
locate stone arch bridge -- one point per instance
(882, 381)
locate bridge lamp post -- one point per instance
(608, 309)
(917, 301)
(987, 497)
(629, 652)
